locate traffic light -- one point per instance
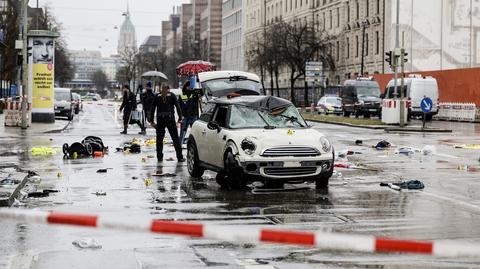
(389, 56)
(404, 57)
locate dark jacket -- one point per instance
(147, 100)
(165, 108)
(189, 105)
(129, 103)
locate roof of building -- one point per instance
(152, 40)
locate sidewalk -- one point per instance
(57, 126)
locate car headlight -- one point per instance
(326, 145)
(248, 145)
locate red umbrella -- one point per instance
(191, 68)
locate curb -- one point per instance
(7, 202)
(245, 234)
(416, 130)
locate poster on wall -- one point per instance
(42, 73)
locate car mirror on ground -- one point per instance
(213, 125)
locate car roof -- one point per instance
(257, 101)
(206, 76)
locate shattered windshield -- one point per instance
(247, 117)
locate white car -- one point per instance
(258, 138)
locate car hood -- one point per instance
(265, 138)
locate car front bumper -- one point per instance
(286, 167)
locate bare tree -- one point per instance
(130, 61)
(99, 79)
(9, 26)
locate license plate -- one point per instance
(292, 164)
(372, 110)
(57, 111)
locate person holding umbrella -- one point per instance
(164, 105)
(146, 99)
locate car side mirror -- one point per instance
(213, 125)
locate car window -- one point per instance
(334, 101)
(221, 116)
(207, 112)
(62, 96)
(224, 86)
(391, 92)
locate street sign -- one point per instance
(313, 72)
(426, 104)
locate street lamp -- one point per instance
(365, 24)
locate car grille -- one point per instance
(290, 151)
(290, 171)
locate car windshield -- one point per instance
(247, 117)
(366, 91)
(62, 96)
(224, 86)
(334, 101)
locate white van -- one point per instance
(417, 87)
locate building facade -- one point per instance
(152, 44)
(211, 32)
(85, 63)
(232, 35)
(127, 40)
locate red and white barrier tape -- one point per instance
(321, 240)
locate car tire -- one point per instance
(356, 113)
(321, 182)
(221, 179)
(193, 164)
(346, 114)
(89, 149)
(70, 116)
(234, 174)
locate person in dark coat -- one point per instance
(164, 105)
(129, 104)
(147, 98)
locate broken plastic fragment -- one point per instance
(87, 243)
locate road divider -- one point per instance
(236, 234)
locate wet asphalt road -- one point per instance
(447, 209)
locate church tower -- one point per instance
(127, 41)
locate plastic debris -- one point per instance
(406, 151)
(429, 150)
(144, 160)
(150, 142)
(59, 174)
(9, 181)
(44, 151)
(38, 194)
(410, 185)
(50, 191)
(87, 243)
(383, 145)
(148, 181)
(467, 146)
(34, 179)
(98, 154)
(100, 193)
(134, 177)
(170, 159)
(102, 170)
(164, 175)
(358, 142)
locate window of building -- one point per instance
(348, 48)
(367, 8)
(357, 10)
(330, 19)
(356, 46)
(377, 43)
(296, 3)
(338, 50)
(378, 7)
(323, 21)
(366, 45)
(338, 17)
(348, 12)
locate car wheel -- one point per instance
(321, 182)
(70, 116)
(366, 115)
(89, 149)
(346, 114)
(234, 173)
(357, 113)
(193, 166)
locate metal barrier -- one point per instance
(13, 114)
(457, 112)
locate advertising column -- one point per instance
(41, 75)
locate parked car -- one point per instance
(361, 97)
(251, 138)
(415, 89)
(216, 84)
(63, 103)
(78, 103)
(330, 105)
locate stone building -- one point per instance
(232, 35)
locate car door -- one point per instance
(218, 138)
(199, 132)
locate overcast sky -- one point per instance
(90, 24)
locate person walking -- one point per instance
(129, 104)
(189, 105)
(164, 105)
(147, 98)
